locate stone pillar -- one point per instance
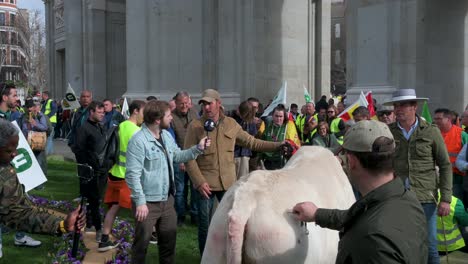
(168, 54)
(323, 49)
(137, 49)
(95, 57)
(74, 44)
(372, 32)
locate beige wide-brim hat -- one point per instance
(404, 95)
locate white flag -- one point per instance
(280, 98)
(70, 101)
(125, 109)
(27, 168)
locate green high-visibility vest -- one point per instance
(48, 109)
(126, 130)
(335, 129)
(453, 238)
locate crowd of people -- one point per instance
(407, 167)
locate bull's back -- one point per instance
(264, 199)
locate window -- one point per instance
(2, 19)
(12, 20)
(14, 57)
(12, 1)
(13, 40)
(337, 31)
(3, 37)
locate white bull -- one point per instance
(254, 223)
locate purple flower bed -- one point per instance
(123, 231)
(63, 246)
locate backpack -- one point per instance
(110, 153)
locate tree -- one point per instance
(32, 29)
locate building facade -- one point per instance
(139, 48)
(420, 44)
(13, 55)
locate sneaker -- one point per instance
(27, 241)
(154, 239)
(98, 236)
(108, 245)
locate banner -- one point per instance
(70, 102)
(347, 114)
(280, 98)
(125, 110)
(27, 168)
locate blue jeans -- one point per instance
(180, 178)
(50, 142)
(205, 210)
(430, 210)
(182, 183)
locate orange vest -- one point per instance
(453, 142)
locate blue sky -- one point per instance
(32, 5)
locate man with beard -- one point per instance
(150, 177)
(387, 225)
(8, 99)
(90, 142)
(79, 118)
(214, 171)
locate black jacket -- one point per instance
(385, 226)
(90, 142)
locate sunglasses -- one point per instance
(330, 112)
(387, 113)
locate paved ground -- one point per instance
(455, 258)
(62, 151)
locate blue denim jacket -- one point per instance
(147, 167)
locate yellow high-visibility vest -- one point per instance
(126, 130)
(48, 109)
(453, 238)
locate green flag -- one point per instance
(426, 113)
(306, 95)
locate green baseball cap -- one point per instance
(361, 136)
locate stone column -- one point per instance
(74, 44)
(95, 37)
(137, 48)
(323, 49)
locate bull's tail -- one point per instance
(242, 208)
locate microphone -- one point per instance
(209, 126)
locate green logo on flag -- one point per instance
(22, 161)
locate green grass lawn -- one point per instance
(62, 184)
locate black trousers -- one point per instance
(93, 191)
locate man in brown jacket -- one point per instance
(213, 172)
(182, 116)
